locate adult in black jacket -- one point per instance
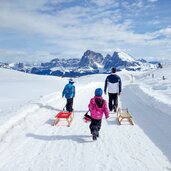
(113, 84)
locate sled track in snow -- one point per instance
(150, 115)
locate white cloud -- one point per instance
(136, 7)
(154, 22)
(152, 0)
(162, 34)
(7, 55)
(73, 30)
(102, 3)
(132, 6)
(166, 32)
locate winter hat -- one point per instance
(113, 70)
(71, 81)
(98, 92)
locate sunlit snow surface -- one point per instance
(29, 103)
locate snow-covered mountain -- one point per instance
(4, 65)
(119, 60)
(91, 62)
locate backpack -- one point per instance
(96, 107)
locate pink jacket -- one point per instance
(97, 112)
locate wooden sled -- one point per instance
(124, 114)
(64, 115)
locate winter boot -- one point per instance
(98, 134)
(114, 108)
(94, 136)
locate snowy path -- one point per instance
(151, 116)
(33, 144)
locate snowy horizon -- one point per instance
(37, 31)
(29, 141)
(39, 61)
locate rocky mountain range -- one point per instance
(90, 63)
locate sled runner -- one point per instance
(64, 115)
(124, 114)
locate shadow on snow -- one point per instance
(151, 115)
(76, 138)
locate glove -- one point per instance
(107, 117)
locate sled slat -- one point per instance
(124, 115)
(64, 115)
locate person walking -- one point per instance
(114, 86)
(69, 93)
(97, 108)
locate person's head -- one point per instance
(113, 70)
(71, 81)
(98, 92)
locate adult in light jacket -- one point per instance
(114, 85)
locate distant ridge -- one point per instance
(90, 63)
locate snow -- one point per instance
(28, 141)
(125, 57)
(99, 66)
(55, 68)
(17, 89)
(153, 84)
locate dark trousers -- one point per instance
(113, 101)
(69, 105)
(95, 126)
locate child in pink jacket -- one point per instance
(97, 107)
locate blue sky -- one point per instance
(39, 30)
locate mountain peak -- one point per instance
(119, 60)
(124, 56)
(91, 59)
(88, 52)
(90, 63)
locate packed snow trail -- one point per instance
(34, 144)
(150, 115)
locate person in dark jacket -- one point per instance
(114, 86)
(69, 93)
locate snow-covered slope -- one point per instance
(28, 141)
(126, 57)
(18, 88)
